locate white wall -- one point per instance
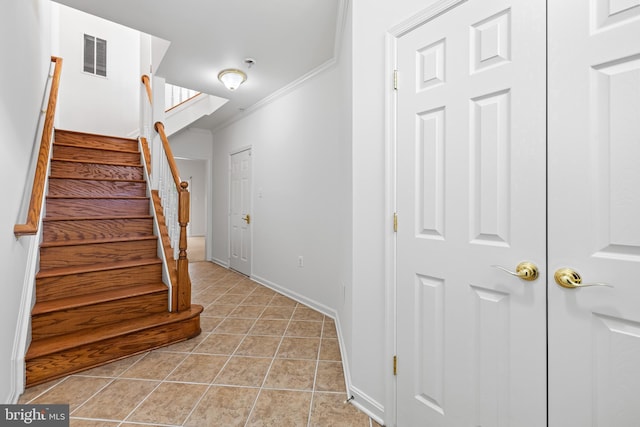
(196, 171)
(371, 366)
(24, 46)
(300, 158)
(92, 103)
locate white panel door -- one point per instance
(594, 212)
(471, 188)
(240, 212)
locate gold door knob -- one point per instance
(247, 218)
(568, 278)
(525, 271)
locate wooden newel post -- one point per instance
(184, 281)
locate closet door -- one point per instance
(594, 213)
(471, 188)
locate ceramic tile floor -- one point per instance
(262, 360)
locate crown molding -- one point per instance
(341, 22)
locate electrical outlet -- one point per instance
(300, 261)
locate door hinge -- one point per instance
(395, 222)
(395, 79)
(395, 365)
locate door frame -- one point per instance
(392, 37)
(229, 225)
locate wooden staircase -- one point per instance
(99, 291)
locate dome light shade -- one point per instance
(232, 78)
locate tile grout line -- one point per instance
(229, 357)
(160, 382)
(270, 365)
(112, 380)
(315, 375)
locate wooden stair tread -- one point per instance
(96, 298)
(55, 344)
(63, 271)
(95, 162)
(113, 150)
(94, 218)
(95, 135)
(60, 243)
(85, 178)
(98, 197)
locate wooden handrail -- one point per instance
(183, 102)
(37, 191)
(167, 148)
(146, 152)
(147, 84)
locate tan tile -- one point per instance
(235, 326)
(116, 400)
(75, 422)
(244, 371)
(291, 374)
(247, 311)
(208, 324)
(223, 407)
(230, 299)
(262, 290)
(304, 328)
(280, 408)
(329, 329)
(269, 327)
(375, 424)
(330, 377)
(207, 296)
(219, 344)
(330, 350)
(258, 346)
(154, 366)
(33, 392)
(257, 300)
(306, 313)
(281, 300)
(183, 346)
(298, 348)
(218, 310)
(242, 288)
(113, 369)
(170, 403)
(198, 368)
(74, 391)
(223, 286)
(329, 410)
(273, 312)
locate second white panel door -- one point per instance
(240, 212)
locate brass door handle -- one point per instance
(525, 271)
(247, 218)
(568, 278)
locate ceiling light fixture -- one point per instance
(232, 78)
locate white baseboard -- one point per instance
(361, 400)
(367, 405)
(296, 296)
(221, 263)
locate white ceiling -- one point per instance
(287, 38)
